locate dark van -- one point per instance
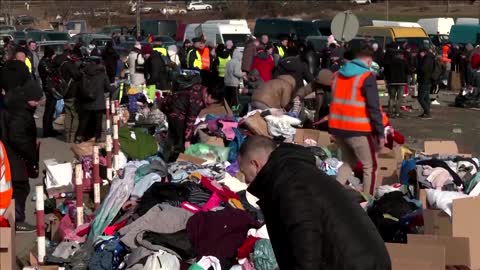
(158, 27)
(277, 28)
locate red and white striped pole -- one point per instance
(39, 205)
(107, 113)
(117, 111)
(112, 105)
(79, 193)
(96, 177)
(116, 145)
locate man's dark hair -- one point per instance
(216, 91)
(31, 41)
(256, 143)
(365, 51)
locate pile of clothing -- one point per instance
(179, 215)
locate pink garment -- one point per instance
(439, 177)
(190, 207)
(227, 129)
(213, 202)
(68, 231)
(110, 230)
(224, 192)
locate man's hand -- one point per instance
(381, 144)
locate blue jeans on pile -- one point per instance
(424, 97)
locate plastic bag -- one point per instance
(162, 260)
(59, 107)
(208, 152)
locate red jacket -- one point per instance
(264, 64)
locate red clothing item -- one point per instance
(247, 247)
(476, 61)
(264, 66)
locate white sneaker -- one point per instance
(435, 102)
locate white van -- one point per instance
(217, 33)
(468, 21)
(394, 23)
(238, 21)
(438, 29)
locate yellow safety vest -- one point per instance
(281, 52)
(222, 65)
(161, 50)
(188, 58)
(29, 64)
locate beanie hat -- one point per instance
(476, 61)
(48, 51)
(147, 49)
(324, 77)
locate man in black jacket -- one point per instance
(45, 70)
(424, 79)
(91, 100)
(13, 74)
(19, 134)
(155, 68)
(294, 66)
(397, 80)
(312, 221)
(70, 72)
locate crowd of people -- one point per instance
(180, 82)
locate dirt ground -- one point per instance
(448, 123)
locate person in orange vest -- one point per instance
(199, 58)
(355, 118)
(6, 190)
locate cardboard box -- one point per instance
(456, 248)
(321, 137)
(217, 109)
(442, 148)
(466, 223)
(437, 222)
(195, 160)
(416, 257)
(7, 240)
(388, 170)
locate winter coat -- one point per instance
(14, 74)
(19, 132)
(312, 221)
(248, 56)
(233, 70)
(45, 71)
(185, 106)
(110, 57)
(264, 64)
(295, 67)
(173, 54)
(398, 71)
(276, 93)
(69, 70)
(156, 71)
(425, 69)
(97, 81)
(138, 78)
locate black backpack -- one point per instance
(436, 72)
(57, 85)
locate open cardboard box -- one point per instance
(442, 148)
(465, 223)
(456, 248)
(194, 160)
(7, 240)
(416, 256)
(321, 137)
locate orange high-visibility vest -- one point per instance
(348, 110)
(202, 61)
(6, 190)
(445, 58)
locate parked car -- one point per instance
(143, 10)
(108, 30)
(2, 36)
(198, 6)
(88, 38)
(24, 20)
(104, 12)
(19, 35)
(48, 36)
(361, 1)
(7, 28)
(57, 46)
(173, 10)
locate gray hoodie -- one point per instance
(233, 69)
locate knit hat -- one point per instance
(32, 91)
(48, 51)
(196, 40)
(147, 49)
(324, 77)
